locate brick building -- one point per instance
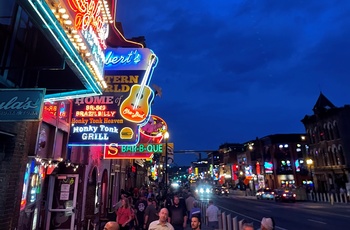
(329, 136)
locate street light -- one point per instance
(309, 163)
(166, 137)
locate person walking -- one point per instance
(162, 223)
(150, 213)
(111, 225)
(195, 211)
(178, 215)
(124, 215)
(195, 223)
(189, 204)
(212, 214)
(140, 206)
(247, 226)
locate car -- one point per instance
(265, 194)
(221, 190)
(204, 190)
(285, 195)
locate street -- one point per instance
(291, 216)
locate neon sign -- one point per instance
(268, 167)
(155, 148)
(96, 120)
(116, 116)
(153, 130)
(139, 151)
(128, 58)
(133, 57)
(88, 14)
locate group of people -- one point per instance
(144, 209)
(267, 223)
(161, 224)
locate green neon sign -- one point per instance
(142, 148)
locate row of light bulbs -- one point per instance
(54, 163)
(78, 42)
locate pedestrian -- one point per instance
(247, 226)
(178, 214)
(111, 225)
(150, 213)
(195, 211)
(161, 223)
(189, 204)
(119, 203)
(140, 206)
(195, 223)
(267, 223)
(124, 215)
(212, 214)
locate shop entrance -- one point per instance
(62, 201)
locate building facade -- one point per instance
(47, 185)
(329, 136)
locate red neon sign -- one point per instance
(88, 13)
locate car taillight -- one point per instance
(272, 193)
(284, 194)
(294, 195)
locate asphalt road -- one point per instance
(291, 216)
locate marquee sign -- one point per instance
(77, 29)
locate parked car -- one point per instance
(285, 195)
(265, 194)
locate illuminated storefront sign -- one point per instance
(117, 115)
(139, 151)
(32, 184)
(97, 120)
(153, 131)
(258, 168)
(21, 104)
(127, 58)
(268, 167)
(234, 170)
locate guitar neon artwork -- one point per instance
(135, 108)
(133, 112)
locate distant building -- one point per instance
(234, 161)
(328, 130)
(283, 157)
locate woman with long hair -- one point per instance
(124, 215)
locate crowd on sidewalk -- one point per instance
(151, 208)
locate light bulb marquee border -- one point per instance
(83, 49)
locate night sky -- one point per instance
(234, 70)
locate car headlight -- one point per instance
(207, 190)
(196, 190)
(201, 190)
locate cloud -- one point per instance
(234, 70)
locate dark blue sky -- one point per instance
(231, 71)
